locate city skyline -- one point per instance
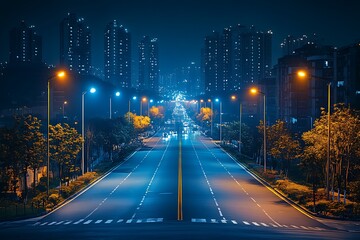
(180, 26)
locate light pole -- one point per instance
(144, 99)
(233, 97)
(256, 91)
(92, 90)
(218, 100)
(133, 98)
(117, 94)
(303, 74)
(60, 74)
(64, 103)
(211, 121)
(150, 101)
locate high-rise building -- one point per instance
(253, 55)
(25, 44)
(291, 43)
(235, 59)
(75, 44)
(148, 65)
(117, 55)
(212, 63)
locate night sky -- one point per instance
(181, 25)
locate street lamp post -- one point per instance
(211, 121)
(133, 98)
(92, 90)
(144, 99)
(220, 137)
(64, 103)
(240, 122)
(255, 91)
(60, 74)
(303, 74)
(117, 94)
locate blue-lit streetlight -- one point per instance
(218, 100)
(133, 98)
(117, 94)
(92, 90)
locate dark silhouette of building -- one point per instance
(117, 55)
(148, 65)
(25, 45)
(75, 44)
(236, 59)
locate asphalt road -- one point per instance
(182, 187)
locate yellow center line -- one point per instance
(180, 215)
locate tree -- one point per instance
(280, 144)
(231, 132)
(65, 144)
(344, 145)
(34, 147)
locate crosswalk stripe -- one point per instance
(214, 221)
(120, 220)
(234, 222)
(294, 226)
(304, 227)
(68, 222)
(246, 223)
(108, 221)
(98, 221)
(202, 220)
(256, 224)
(52, 223)
(35, 224)
(87, 222)
(43, 223)
(129, 221)
(139, 221)
(59, 223)
(223, 221)
(273, 225)
(264, 224)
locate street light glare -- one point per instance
(144, 99)
(216, 100)
(92, 90)
(253, 90)
(301, 74)
(61, 74)
(233, 97)
(117, 94)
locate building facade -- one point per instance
(75, 44)
(236, 58)
(148, 65)
(25, 45)
(117, 55)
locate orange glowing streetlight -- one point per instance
(303, 74)
(60, 74)
(255, 90)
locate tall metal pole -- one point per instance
(110, 107)
(129, 112)
(141, 107)
(264, 133)
(220, 120)
(48, 140)
(328, 143)
(211, 128)
(83, 133)
(240, 116)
